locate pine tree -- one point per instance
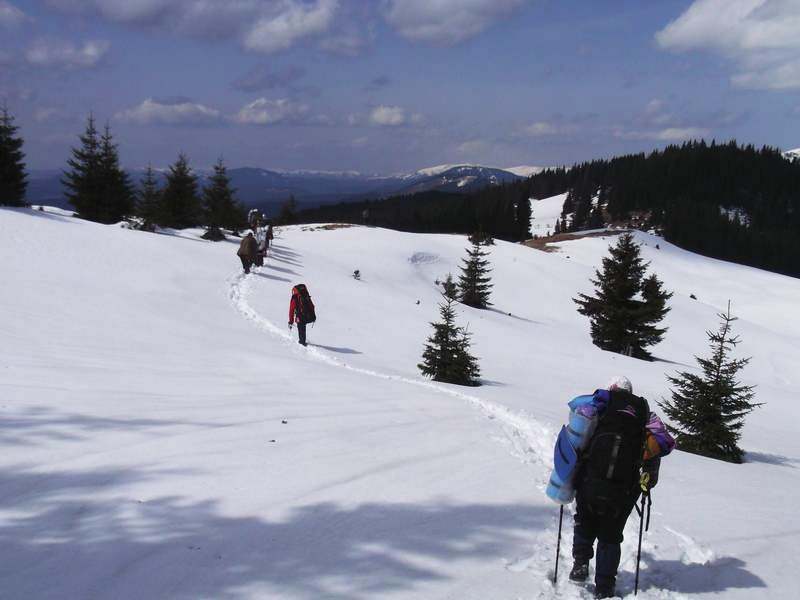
(13, 180)
(450, 289)
(117, 195)
(180, 201)
(709, 409)
(474, 283)
(523, 218)
(446, 355)
(219, 204)
(83, 181)
(149, 206)
(621, 322)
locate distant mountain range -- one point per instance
(266, 189)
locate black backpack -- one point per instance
(305, 306)
(610, 470)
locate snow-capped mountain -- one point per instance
(264, 187)
(454, 178)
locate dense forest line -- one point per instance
(727, 201)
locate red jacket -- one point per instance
(294, 305)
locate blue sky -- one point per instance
(395, 85)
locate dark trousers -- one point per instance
(246, 263)
(607, 530)
(301, 332)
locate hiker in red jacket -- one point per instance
(301, 311)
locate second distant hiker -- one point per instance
(248, 250)
(301, 311)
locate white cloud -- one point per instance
(548, 128)
(388, 116)
(759, 36)
(446, 21)
(668, 134)
(270, 112)
(170, 112)
(280, 31)
(10, 15)
(54, 53)
(266, 26)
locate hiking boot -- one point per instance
(604, 590)
(580, 572)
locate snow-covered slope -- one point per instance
(545, 213)
(145, 384)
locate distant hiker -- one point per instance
(261, 239)
(248, 249)
(301, 311)
(621, 460)
(252, 218)
(270, 234)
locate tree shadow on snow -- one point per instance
(43, 214)
(273, 277)
(718, 575)
(672, 362)
(284, 255)
(335, 349)
(771, 459)
(37, 424)
(513, 316)
(91, 531)
(282, 270)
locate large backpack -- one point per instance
(610, 470)
(305, 305)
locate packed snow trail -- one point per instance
(528, 441)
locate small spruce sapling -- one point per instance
(709, 408)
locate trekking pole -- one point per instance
(645, 499)
(558, 544)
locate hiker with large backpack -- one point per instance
(301, 311)
(248, 251)
(606, 458)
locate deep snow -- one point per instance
(145, 383)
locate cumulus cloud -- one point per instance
(388, 116)
(271, 112)
(446, 21)
(760, 38)
(10, 15)
(265, 26)
(170, 111)
(54, 53)
(280, 31)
